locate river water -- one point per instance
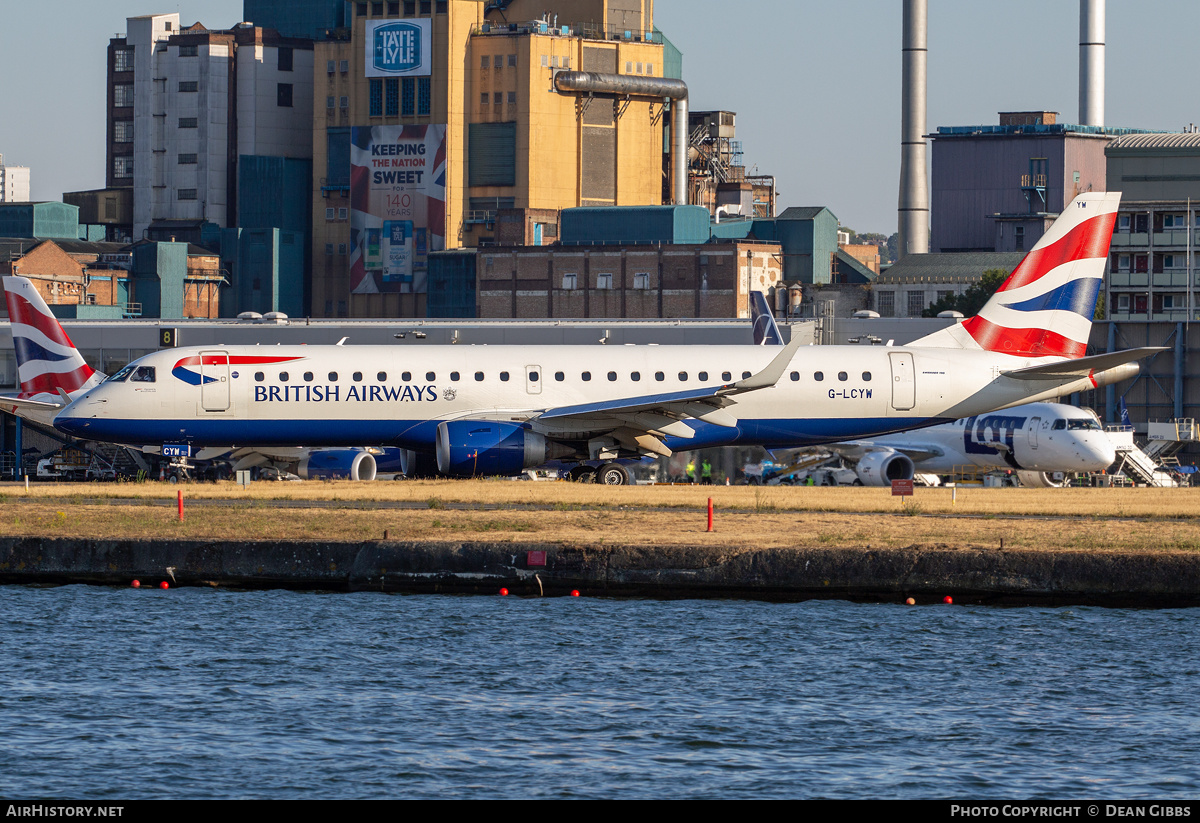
(196, 693)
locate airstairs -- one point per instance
(1135, 463)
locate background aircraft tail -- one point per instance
(47, 360)
(766, 332)
(1045, 307)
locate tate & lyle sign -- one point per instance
(397, 48)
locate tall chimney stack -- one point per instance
(913, 216)
(1091, 62)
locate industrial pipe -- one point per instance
(914, 181)
(624, 85)
(1091, 62)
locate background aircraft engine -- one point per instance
(473, 448)
(337, 464)
(880, 468)
(1042, 480)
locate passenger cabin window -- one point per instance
(283, 377)
(308, 376)
(478, 377)
(867, 376)
(430, 376)
(635, 376)
(726, 376)
(745, 375)
(843, 376)
(682, 376)
(357, 377)
(454, 376)
(381, 377)
(659, 376)
(533, 377)
(143, 374)
(795, 376)
(259, 377)
(703, 375)
(406, 376)
(819, 376)
(612, 376)
(586, 376)
(333, 377)
(559, 376)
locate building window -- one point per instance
(641, 280)
(410, 8)
(441, 6)
(123, 131)
(407, 96)
(285, 58)
(329, 213)
(393, 8)
(916, 303)
(1174, 221)
(483, 98)
(628, 67)
(285, 95)
(569, 282)
(189, 85)
(392, 87)
(1123, 262)
(944, 295)
(329, 251)
(343, 214)
(423, 95)
(123, 60)
(512, 98)
(123, 95)
(187, 122)
(1019, 238)
(187, 159)
(498, 98)
(545, 61)
(187, 194)
(360, 10)
(604, 281)
(376, 97)
(425, 7)
(885, 303)
(484, 61)
(330, 66)
(649, 68)
(377, 9)
(329, 103)
(122, 167)
(639, 68)
(344, 66)
(498, 61)
(189, 51)
(343, 102)
(512, 61)
(341, 250)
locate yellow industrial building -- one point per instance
(515, 136)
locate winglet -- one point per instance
(770, 375)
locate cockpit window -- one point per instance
(1083, 425)
(120, 376)
(143, 374)
(1060, 425)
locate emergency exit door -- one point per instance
(214, 381)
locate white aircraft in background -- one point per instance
(52, 374)
(1037, 441)
(487, 410)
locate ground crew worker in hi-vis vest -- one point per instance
(706, 473)
(691, 472)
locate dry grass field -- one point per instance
(565, 513)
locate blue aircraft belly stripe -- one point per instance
(421, 434)
(1078, 296)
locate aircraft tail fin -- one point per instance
(1045, 307)
(766, 332)
(47, 360)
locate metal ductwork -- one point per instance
(1091, 62)
(914, 180)
(624, 85)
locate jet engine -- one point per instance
(337, 464)
(417, 464)
(471, 448)
(880, 468)
(1042, 480)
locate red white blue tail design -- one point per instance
(47, 360)
(1045, 307)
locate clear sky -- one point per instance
(816, 85)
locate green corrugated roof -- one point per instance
(948, 266)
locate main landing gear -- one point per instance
(609, 474)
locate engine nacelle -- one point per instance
(474, 448)
(880, 468)
(417, 464)
(337, 464)
(1042, 480)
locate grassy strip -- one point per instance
(735, 530)
(1181, 504)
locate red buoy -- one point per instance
(504, 592)
(574, 592)
(947, 600)
(910, 602)
(163, 585)
(137, 584)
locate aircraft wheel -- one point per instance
(612, 474)
(582, 474)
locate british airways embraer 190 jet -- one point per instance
(485, 410)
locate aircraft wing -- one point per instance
(14, 404)
(858, 449)
(644, 419)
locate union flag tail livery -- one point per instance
(1045, 307)
(47, 360)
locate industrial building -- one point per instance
(494, 98)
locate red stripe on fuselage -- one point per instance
(1029, 342)
(236, 360)
(21, 310)
(1090, 239)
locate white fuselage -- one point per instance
(396, 395)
